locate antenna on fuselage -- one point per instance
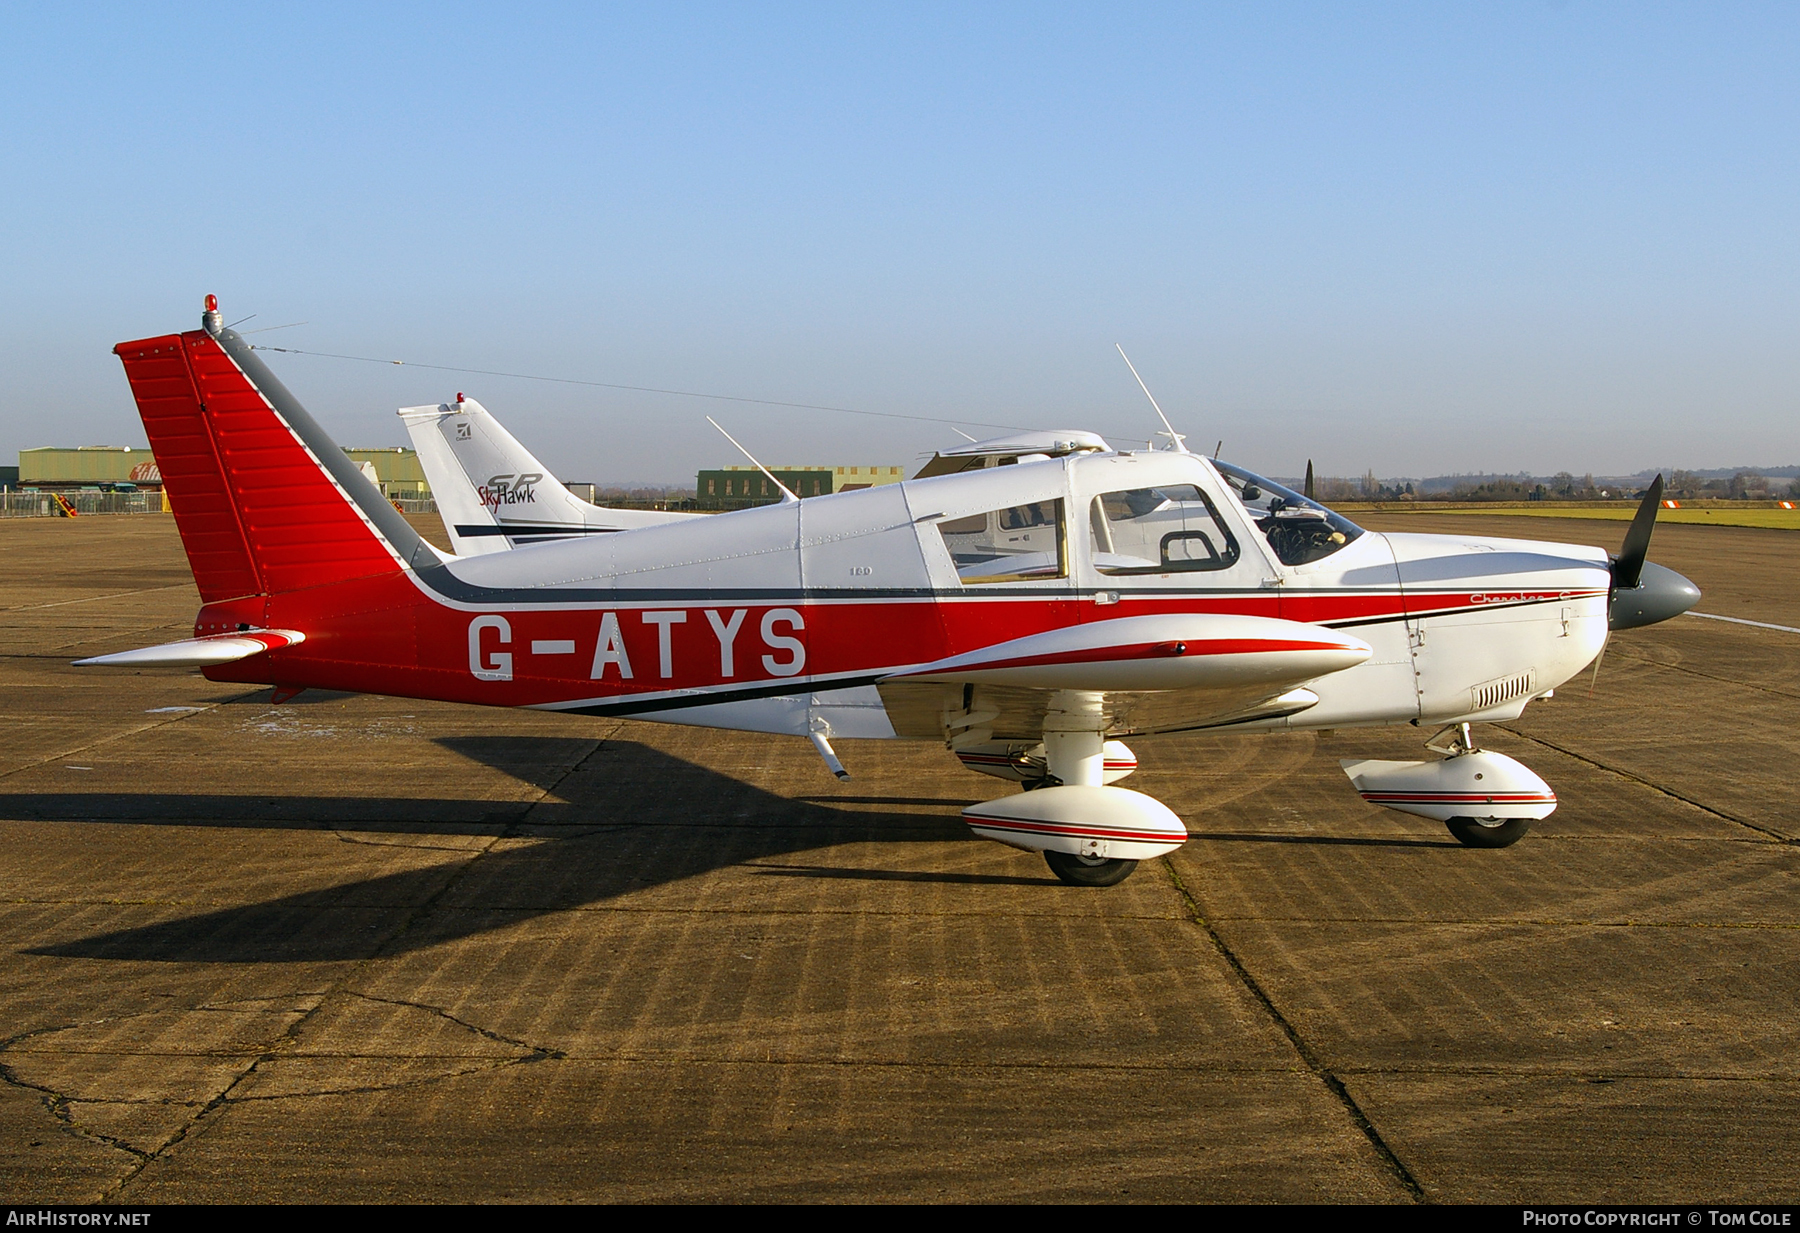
(1178, 442)
(787, 494)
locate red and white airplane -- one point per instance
(1025, 615)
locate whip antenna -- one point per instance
(1178, 442)
(787, 494)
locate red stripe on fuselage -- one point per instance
(389, 634)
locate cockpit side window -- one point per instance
(1019, 543)
(1298, 529)
(1166, 530)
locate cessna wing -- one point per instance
(493, 494)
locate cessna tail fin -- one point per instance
(493, 493)
(265, 501)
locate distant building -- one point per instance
(396, 470)
(88, 466)
(743, 486)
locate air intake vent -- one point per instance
(1485, 697)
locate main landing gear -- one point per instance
(1088, 870)
(1090, 834)
(1488, 832)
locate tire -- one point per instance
(1475, 833)
(1087, 870)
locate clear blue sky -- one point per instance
(1413, 238)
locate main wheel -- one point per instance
(1088, 870)
(1485, 833)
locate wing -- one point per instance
(1141, 674)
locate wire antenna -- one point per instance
(642, 389)
(787, 494)
(1177, 442)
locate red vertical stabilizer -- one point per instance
(258, 511)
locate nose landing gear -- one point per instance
(1488, 832)
(1485, 799)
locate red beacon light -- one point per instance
(212, 303)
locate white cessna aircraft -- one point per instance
(493, 494)
(1026, 615)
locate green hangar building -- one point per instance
(741, 487)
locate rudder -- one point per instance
(264, 500)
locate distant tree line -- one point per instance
(612, 494)
(1744, 485)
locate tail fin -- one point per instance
(494, 493)
(482, 477)
(265, 501)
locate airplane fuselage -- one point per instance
(1022, 614)
(784, 618)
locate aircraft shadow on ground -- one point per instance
(627, 818)
(1346, 841)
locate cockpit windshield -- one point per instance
(1298, 528)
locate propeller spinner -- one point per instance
(1643, 592)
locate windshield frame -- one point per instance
(1284, 500)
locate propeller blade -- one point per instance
(1628, 566)
(1309, 483)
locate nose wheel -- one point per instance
(1088, 870)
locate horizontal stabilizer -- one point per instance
(1177, 651)
(198, 652)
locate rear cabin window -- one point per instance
(1019, 543)
(1169, 530)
